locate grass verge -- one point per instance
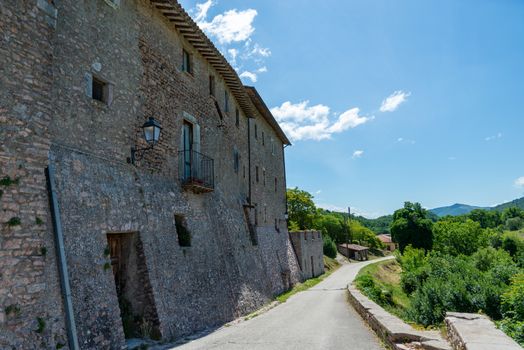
(381, 283)
(330, 265)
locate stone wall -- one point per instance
(48, 59)
(31, 311)
(308, 246)
(468, 331)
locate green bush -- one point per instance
(367, 285)
(330, 249)
(513, 309)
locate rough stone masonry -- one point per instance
(160, 248)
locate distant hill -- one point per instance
(514, 203)
(455, 209)
(461, 209)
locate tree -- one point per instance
(486, 218)
(456, 238)
(331, 226)
(512, 212)
(411, 226)
(301, 209)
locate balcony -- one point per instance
(196, 171)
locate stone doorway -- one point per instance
(133, 288)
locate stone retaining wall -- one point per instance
(465, 331)
(393, 330)
(476, 332)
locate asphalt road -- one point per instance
(319, 318)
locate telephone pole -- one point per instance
(348, 228)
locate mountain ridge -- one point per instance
(461, 209)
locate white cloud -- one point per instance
(393, 101)
(230, 26)
(303, 122)
(408, 141)
(318, 192)
(494, 137)
(519, 182)
(358, 153)
(249, 75)
(262, 69)
(200, 13)
(233, 53)
(257, 50)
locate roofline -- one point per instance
(266, 113)
(188, 29)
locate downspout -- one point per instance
(62, 264)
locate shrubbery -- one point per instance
(330, 249)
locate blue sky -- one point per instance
(452, 128)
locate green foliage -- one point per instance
(414, 266)
(378, 225)
(456, 238)
(486, 218)
(43, 251)
(512, 212)
(14, 221)
(41, 325)
(38, 221)
(59, 345)
(412, 227)
(513, 309)
(330, 248)
(514, 224)
(301, 208)
(106, 266)
(364, 236)
(293, 226)
(12, 309)
(331, 225)
(107, 251)
(367, 285)
(7, 181)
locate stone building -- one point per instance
(388, 242)
(353, 251)
(309, 247)
(116, 243)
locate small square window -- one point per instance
(186, 62)
(101, 90)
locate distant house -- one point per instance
(388, 242)
(354, 251)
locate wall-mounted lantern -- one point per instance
(151, 129)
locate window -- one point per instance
(237, 117)
(186, 62)
(256, 173)
(263, 139)
(264, 176)
(184, 237)
(256, 132)
(265, 214)
(226, 101)
(236, 160)
(101, 90)
(212, 85)
(276, 182)
(244, 171)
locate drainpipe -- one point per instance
(62, 264)
(285, 182)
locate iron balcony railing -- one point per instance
(196, 171)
